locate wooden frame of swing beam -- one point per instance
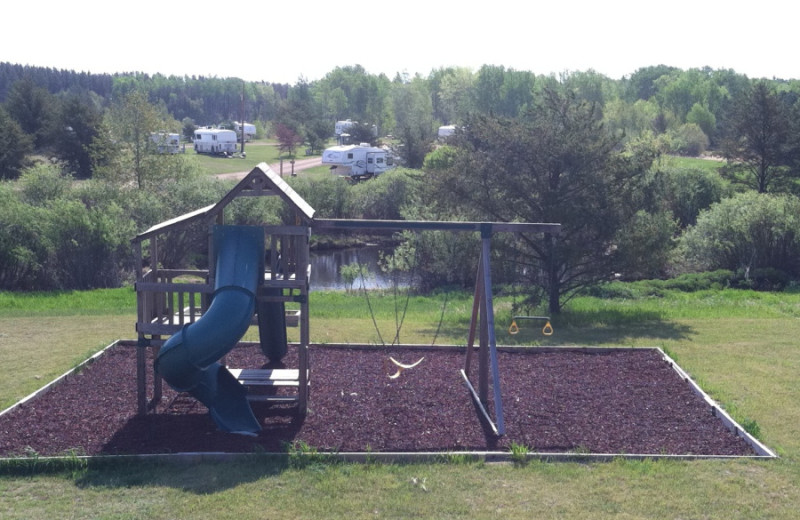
(482, 321)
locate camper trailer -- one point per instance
(164, 142)
(215, 141)
(357, 162)
(446, 131)
(249, 130)
(341, 127)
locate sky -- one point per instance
(284, 42)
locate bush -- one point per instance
(688, 140)
(24, 243)
(690, 282)
(43, 183)
(747, 232)
(645, 244)
(383, 197)
(688, 191)
(329, 196)
(91, 245)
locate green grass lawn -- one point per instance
(739, 345)
(693, 162)
(256, 152)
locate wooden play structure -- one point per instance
(169, 300)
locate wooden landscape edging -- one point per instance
(49, 386)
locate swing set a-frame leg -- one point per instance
(483, 315)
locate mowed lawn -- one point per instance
(739, 345)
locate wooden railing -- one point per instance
(166, 304)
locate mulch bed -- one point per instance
(620, 401)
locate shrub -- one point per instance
(329, 196)
(690, 282)
(645, 244)
(688, 140)
(383, 197)
(688, 191)
(747, 232)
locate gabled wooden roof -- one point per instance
(261, 181)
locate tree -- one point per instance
(760, 148)
(132, 121)
(79, 124)
(642, 83)
(188, 127)
(457, 95)
(317, 131)
(503, 92)
(702, 117)
(288, 139)
(32, 107)
(556, 164)
(414, 126)
(362, 133)
(15, 145)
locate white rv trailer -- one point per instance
(249, 130)
(357, 161)
(215, 141)
(446, 131)
(166, 142)
(341, 127)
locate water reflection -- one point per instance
(325, 268)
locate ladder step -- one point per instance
(273, 398)
(266, 377)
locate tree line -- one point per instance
(591, 153)
(690, 111)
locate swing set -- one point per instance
(174, 305)
(482, 326)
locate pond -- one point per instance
(325, 268)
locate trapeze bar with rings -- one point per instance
(547, 330)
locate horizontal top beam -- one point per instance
(486, 228)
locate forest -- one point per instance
(607, 158)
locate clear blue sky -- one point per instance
(284, 41)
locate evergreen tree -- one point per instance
(15, 145)
(555, 165)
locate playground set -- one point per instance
(192, 318)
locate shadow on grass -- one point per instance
(199, 470)
(202, 478)
(605, 327)
(581, 328)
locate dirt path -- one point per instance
(299, 165)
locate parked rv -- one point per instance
(446, 131)
(341, 127)
(216, 141)
(357, 162)
(166, 142)
(249, 130)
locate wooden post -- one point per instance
(158, 381)
(473, 323)
(141, 374)
(305, 336)
(141, 377)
